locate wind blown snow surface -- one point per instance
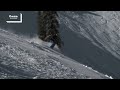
(23, 59)
(99, 34)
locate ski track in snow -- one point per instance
(100, 27)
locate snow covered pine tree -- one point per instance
(48, 27)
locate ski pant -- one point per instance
(52, 46)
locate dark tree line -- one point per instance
(48, 25)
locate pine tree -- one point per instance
(48, 25)
(41, 25)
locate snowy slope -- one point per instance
(97, 37)
(21, 59)
(101, 27)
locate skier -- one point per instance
(52, 38)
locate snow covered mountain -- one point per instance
(22, 59)
(95, 37)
